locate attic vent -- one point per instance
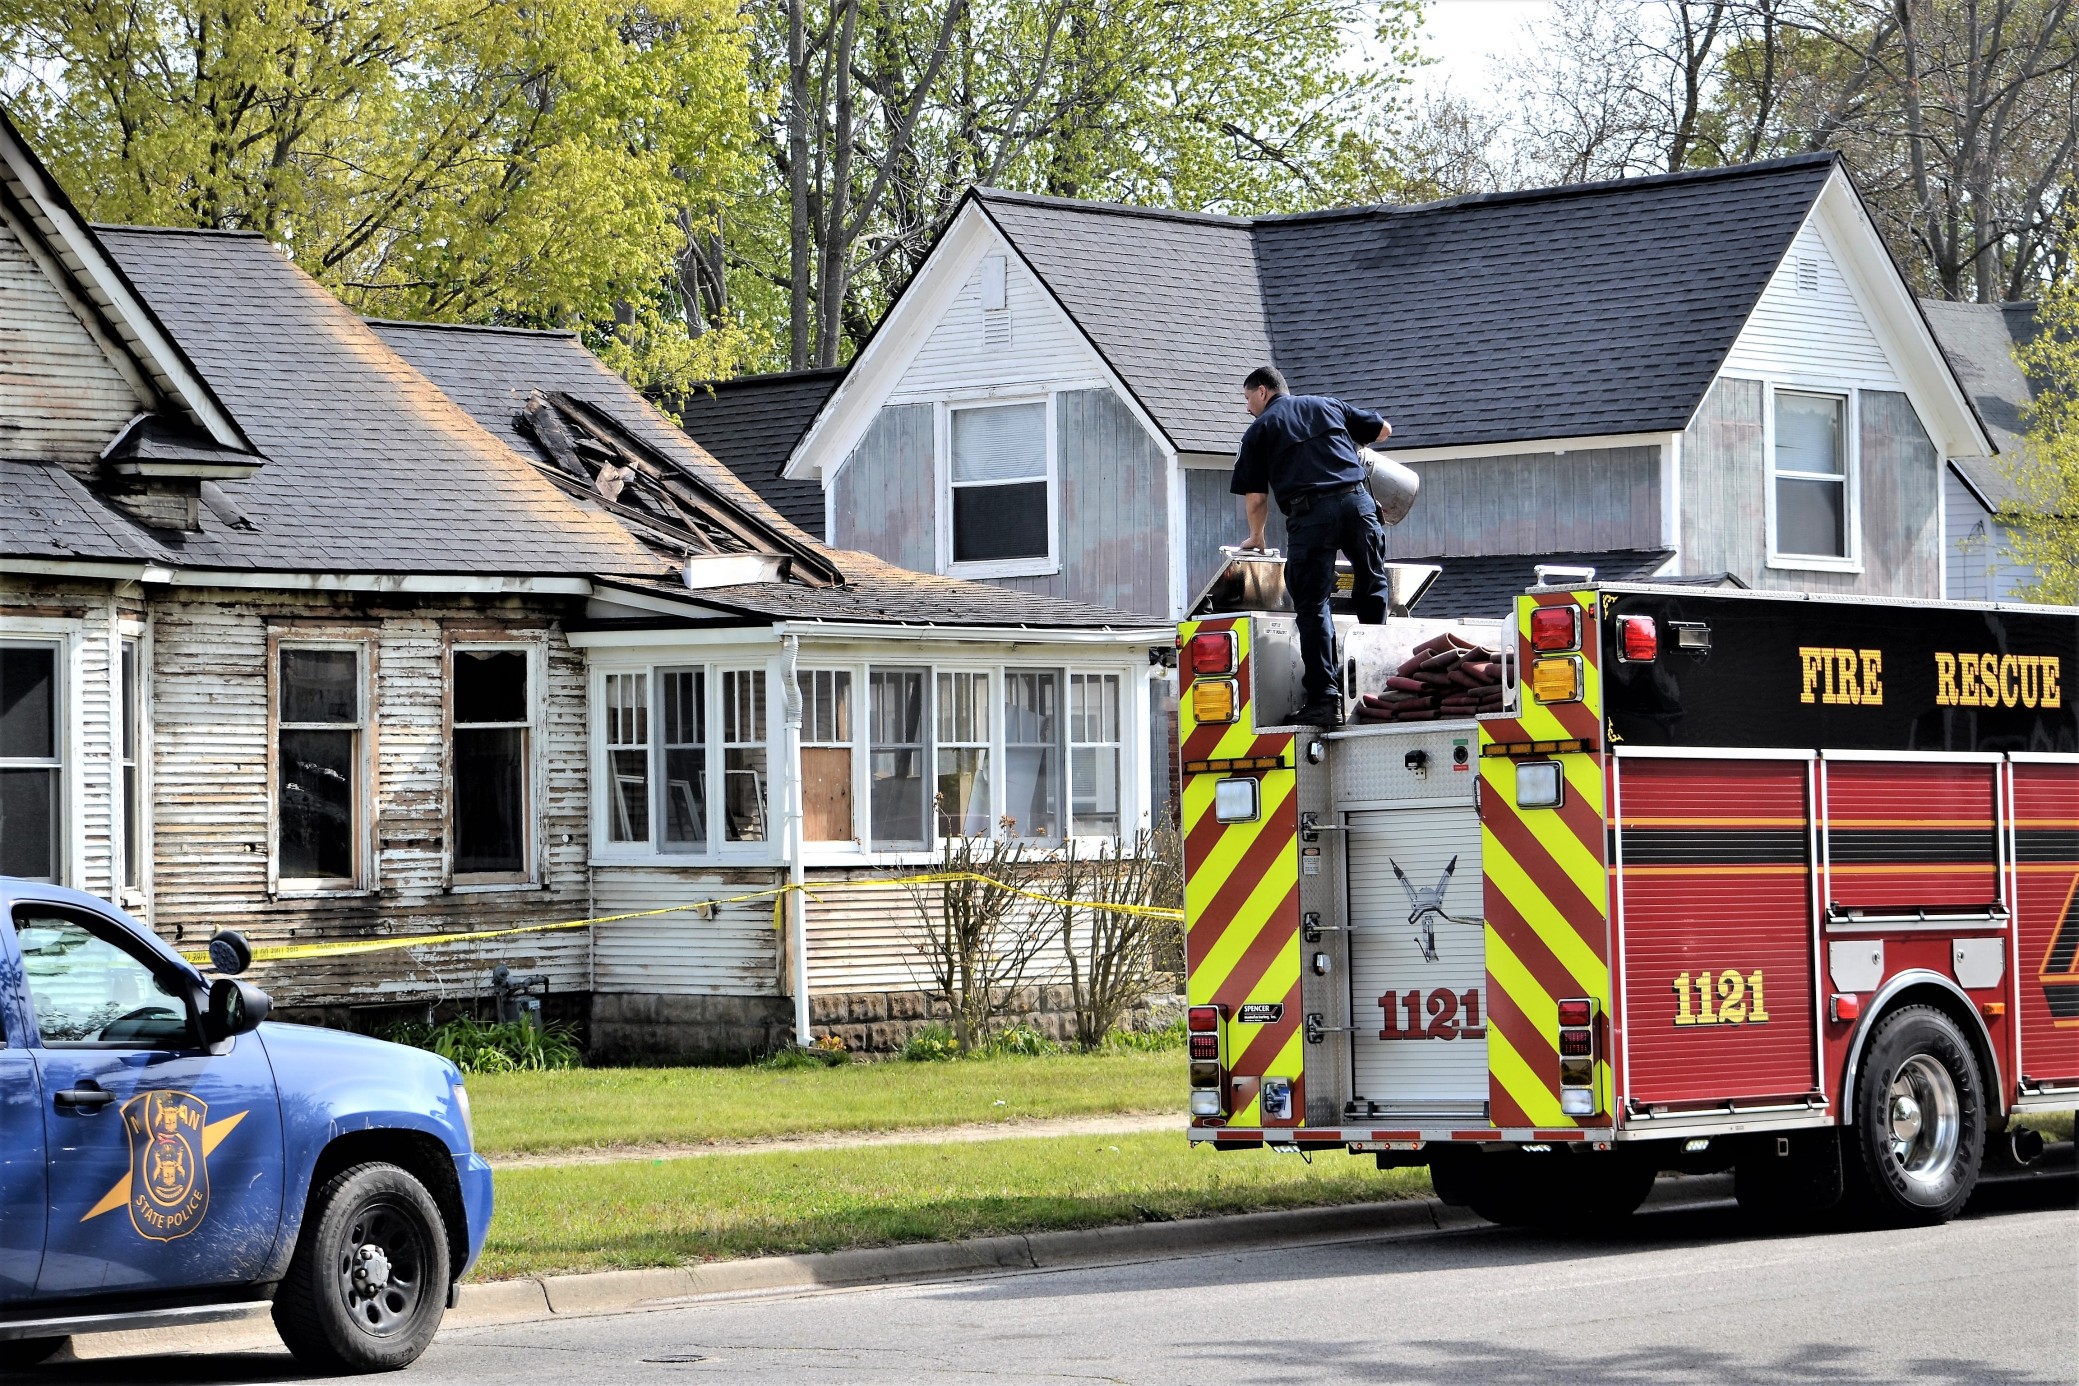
(1808, 276)
(996, 328)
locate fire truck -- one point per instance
(1718, 879)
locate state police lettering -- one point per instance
(1988, 680)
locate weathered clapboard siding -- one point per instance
(1114, 499)
(869, 938)
(1212, 518)
(1725, 493)
(1815, 335)
(210, 759)
(969, 353)
(60, 396)
(1594, 498)
(1725, 484)
(882, 499)
(736, 952)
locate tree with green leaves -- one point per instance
(2045, 517)
(557, 163)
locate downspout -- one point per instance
(797, 905)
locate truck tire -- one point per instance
(1919, 1134)
(17, 1353)
(369, 1281)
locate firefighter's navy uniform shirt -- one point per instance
(1303, 444)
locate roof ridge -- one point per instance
(763, 378)
(471, 327)
(240, 232)
(1131, 209)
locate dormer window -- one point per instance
(1000, 504)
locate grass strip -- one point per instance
(671, 1212)
(609, 1108)
(2055, 1126)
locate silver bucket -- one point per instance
(1393, 486)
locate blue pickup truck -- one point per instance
(168, 1158)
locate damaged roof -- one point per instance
(751, 426)
(1497, 318)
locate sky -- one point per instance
(1470, 39)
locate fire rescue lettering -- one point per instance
(1841, 676)
(1990, 680)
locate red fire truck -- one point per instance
(1719, 879)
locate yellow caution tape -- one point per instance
(282, 952)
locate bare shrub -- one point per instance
(1112, 955)
(977, 939)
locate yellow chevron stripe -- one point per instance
(1584, 779)
(1211, 971)
(1566, 943)
(1533, 1094)
(1221, 862)
(1513, 977)
(1251, 1115)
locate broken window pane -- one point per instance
(684, 693)
(491, 717)
(895, 708)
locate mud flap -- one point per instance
(1792, 1172)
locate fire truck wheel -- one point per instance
(1920, 1118)
(369, 1281)
(16, 1353)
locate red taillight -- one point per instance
(1574, 1014)
(1209, 652)
(1555, 627)
(1205, 1046)
(1637, 640)
(1573, 1042)
(1203, 1020)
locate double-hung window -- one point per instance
(1032, 753)
(963, 754)
(743, 755)
(1093, 752)
(826, 755)
(683, 693)
(320, 725)
(627, 709)
(31, 762)
(493, 724)
(1810, 477)
(132, 716)
(895, 779)
(1001, 503)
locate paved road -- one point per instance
(1685, 1295)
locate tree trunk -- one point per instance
(797, 186)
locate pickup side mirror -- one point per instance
(229, 953)
(235, 1008)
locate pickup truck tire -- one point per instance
(1919, 1119)
(368, 1284)
(16, 1353)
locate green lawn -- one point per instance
(2055, 1126)
(613, 1108)
(668, 1212)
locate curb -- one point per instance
(618, 1292)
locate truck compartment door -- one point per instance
(2046, 921)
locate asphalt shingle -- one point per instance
(1979, 340)
(751, 426)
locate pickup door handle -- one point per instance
(84, 1099)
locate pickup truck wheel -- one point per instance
(368, 1283)
(16, 1353)
(1919, 1118)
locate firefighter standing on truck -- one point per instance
(1303, 450)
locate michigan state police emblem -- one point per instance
(169, 1171)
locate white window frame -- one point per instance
(63, 643)
(361, 880)
(701, 848)
(719, 677)
(531, 786)
(992, 746)
(1045, 566)
(1850, 480)
(855, 695)
(1122, 724)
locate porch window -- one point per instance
(895, 705)
(1811, 475)
(1000, 499)
(30, 763)
(826, 755)
(132, 714)
(319, 720)
(628, 757)
(1032, 752)
(963, 754)
(1093, 751)
(743, 755)
(684, 696)
(493, 721)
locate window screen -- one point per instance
(29, 761)
(999, 480)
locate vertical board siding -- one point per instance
(60, 396)
(1725, 485)
(1213, 518)
(1114, 503)
(958, 358)
(1810, 335)
(734, 953)
(209, 706)
(1594, 498)
(1901, 492)
(882, 498)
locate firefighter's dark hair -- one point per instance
(1267, 377)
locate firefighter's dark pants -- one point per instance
(1347, 521)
